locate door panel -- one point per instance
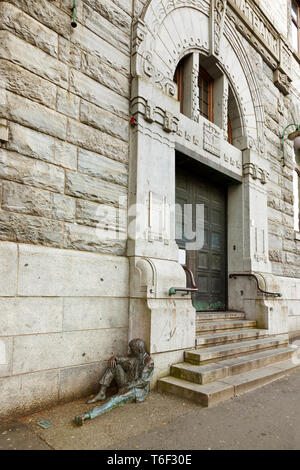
(208, 263)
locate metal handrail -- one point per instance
(194, 288)
(271, 294)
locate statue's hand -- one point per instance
(112, 362)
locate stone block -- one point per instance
(111, 13)
(105, 29)
(26, 200)
(27, 84)
(103, 120)
(3, 130)
(47, 13)
(34, 353)
(31, 143)
(101, 216)
(67, 103)
(79, 381)
(69, 53)
(8, 269)
(92, 91)
(78, 237)
(102, 167)
(6, 347)
(65, 155)
(31, 172)
(94, 313)
(89, 42)
(97, 141)
(28, 229)
(30, 392)
(87, 187)
(24, 26)
(71, 273)
(33, 59)
(30, 315)
(105, 74)
(63, 208)
(34, 115)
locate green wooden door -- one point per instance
(208, 222)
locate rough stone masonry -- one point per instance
(67, 173)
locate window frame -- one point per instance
(203, 75)
(296, 22)
(179, 82)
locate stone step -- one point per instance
(230, 325)
(204, 374)
(200, 356)
(207, 373)
(229, 337)
(205, 317)
(216, 392)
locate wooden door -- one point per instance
(209, 262)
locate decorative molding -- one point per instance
(212, 139)
(218, 13)
(153, 114)
(256, 173)
(282, 82)
(195, 95)
(252, 23)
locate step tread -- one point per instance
(232, 335)
(232, 385)
(223, 325)
(220, 315)
(258, 355)
(225, 364)
(245, 377)
(231, 349)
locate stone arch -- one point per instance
(170, 29)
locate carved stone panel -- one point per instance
(212, 139)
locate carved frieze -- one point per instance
(212, 139)
(250, 20)
(256, 173)
(153, 114)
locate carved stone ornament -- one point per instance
(256, 173)
(132, 375)
(212, 139)
(218, 17)
(282, 81)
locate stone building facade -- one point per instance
(92, 135)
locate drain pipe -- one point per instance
(74, 23)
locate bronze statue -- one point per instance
(132, 374)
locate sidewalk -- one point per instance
(266, 418)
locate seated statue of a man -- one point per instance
(132, 375)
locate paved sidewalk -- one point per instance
(267, 418)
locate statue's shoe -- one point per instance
(79, 420)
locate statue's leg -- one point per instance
(116, 373)
(118, 400)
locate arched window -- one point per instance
(205, 91)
